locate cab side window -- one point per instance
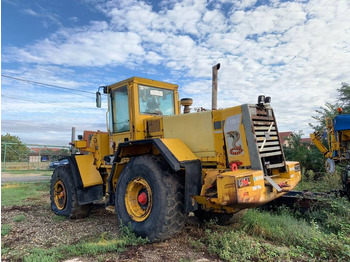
(120, 110)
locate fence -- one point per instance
(15, 156)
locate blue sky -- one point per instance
(297, 52)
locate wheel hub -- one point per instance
(138, 199)
(142, 198)
(60, 195)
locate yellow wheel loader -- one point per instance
(154, 164)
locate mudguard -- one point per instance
(175, 153)
(92, 189)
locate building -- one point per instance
(44, 154)
(284, 136)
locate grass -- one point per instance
(232, 245)
(322, 233)
(19, 218)
(5, 229)
(16, 193)
(25, 172)
(325, 183)
(25, 166)
(59, 218)
(85, 249)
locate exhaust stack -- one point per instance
(214, 98)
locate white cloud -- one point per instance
(297, 52)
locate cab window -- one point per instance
(156, 101)
(120, 109)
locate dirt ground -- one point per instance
(41, 228)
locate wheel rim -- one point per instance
(138, 199)
(60, 195)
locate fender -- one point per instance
(86, 178)
(175, 153)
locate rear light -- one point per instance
(242, 182)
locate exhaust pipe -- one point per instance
(72, 148)
(214, 96)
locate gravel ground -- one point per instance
(41, 228)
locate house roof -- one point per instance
(43, 150)
(306, 140)
(284, 135)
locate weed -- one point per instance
(4, 250)
(59, 218)
(15, 194)
(323, 183)
(331, 215)
(102, 245)
(287, 230)
(19, 218)
(5, 229)
(197, 244)
(238, 246)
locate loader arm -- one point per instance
(316, 139)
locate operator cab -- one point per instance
(132, 101)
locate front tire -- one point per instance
(63, 196)
(150, 197)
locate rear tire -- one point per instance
(63, 196)
(221, 219)
(150, 197)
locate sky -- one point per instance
(55, 54)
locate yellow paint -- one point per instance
(219, 141)
(80, 144)
(136, 119)
(60, 195)
(88, 172)
(208, 205)
(100, 145)
(179, 149)
(188, 137)
(230, 197)
(195, 130)
(137, 211)
(316, 139)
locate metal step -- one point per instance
(273, 183)
(269, 148)
(271, 154)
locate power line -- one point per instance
(47, 85)
(47, 102)
(43, 127)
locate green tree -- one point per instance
(344, 97)
(15, 149)
(329, 110)
(309, 156)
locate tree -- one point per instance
(329, 110)
(15, 149)
(344, 96)
(309, 156)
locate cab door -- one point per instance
(119, 124)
